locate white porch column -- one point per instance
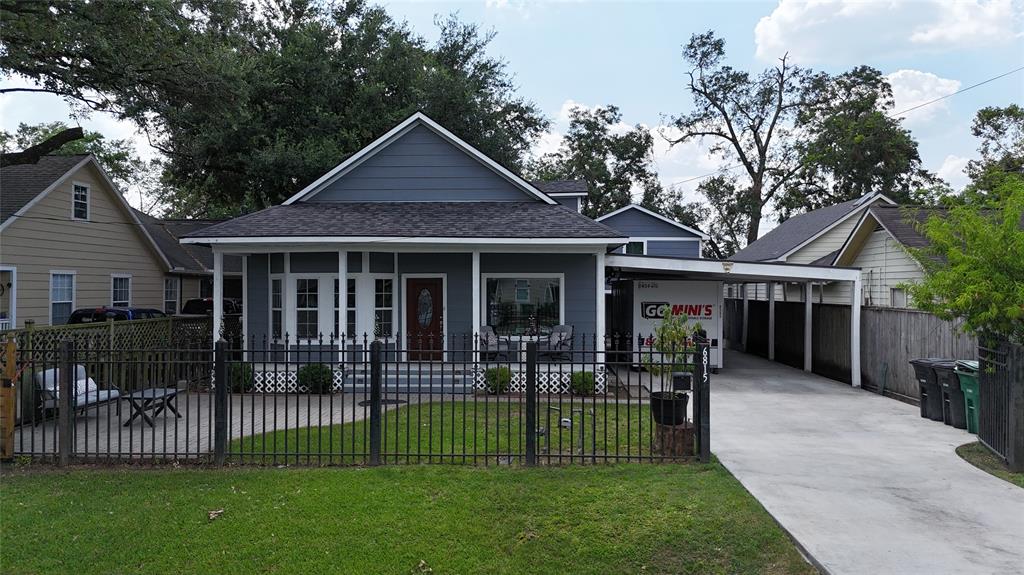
(746, 309)
(288, 293)
(476, 295)
(771, 321)
(342, 299)
(600, 327)
(218, 293)
(855, 334)
(808, 325)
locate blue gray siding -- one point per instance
(682, 249)
(571, 202)
(638, 224)
(420, 166)
(257, 297)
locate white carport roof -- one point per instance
(754, 272)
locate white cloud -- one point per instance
(842, 30)
(912, 88)
(952, 170)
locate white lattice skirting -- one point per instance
(288, 382)
(547, 381)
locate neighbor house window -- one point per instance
(62, 297)
(80, 202)
(276, 304)
(635, 248)
(898, 297)
(523, 306)
(350, 309)
(307, 292)
(121, 291)
(383, 307)
(171, 295)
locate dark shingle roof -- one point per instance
(560, 186)
(902, 222)
(793, 232)
(186, 257)
(20, 184)
(826, 260)
(414, 219)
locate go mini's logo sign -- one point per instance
(660, 309)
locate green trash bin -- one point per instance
(967, 373)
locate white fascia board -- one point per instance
(567, 194)
(419, 118)
(824, 231)
(24, 209)
(856, 228)
(644, 210)
(737, 270)
(340, 240)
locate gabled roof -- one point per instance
(801, 229)
(900, 222)
(384, 221)
(27, 184)
(20, 185)
(647, 212)
(562, 187)
(417, 119)
(188, 259)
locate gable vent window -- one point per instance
(80, 202)
(635, 248)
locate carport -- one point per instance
(652, 267)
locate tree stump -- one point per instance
(674, 440)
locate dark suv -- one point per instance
(101, 314)
(204, 306)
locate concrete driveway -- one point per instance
(862, 482)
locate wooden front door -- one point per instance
(424, 318)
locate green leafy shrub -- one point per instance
(582, 383)
(498, 380)
(240, 378)
(317, 378)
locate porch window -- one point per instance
(276, 303)
(350, 309)
(383, 307)
(307, 292)
(62, 297)
(635, 248)
(121, 291)
(523, 305)
(171, 295)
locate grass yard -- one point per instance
(458, 430)
(979, 456)
(398, 519)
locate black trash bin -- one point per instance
(931, 393)
(953, 412)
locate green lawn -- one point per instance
(458, 431)
(672, 518)
(979, 456)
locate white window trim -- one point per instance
(373, 308)
(293, 313)
(271, 308)
(444, 309)
(74, 291)
(88, 201)
(130, 288)
(13, 317)
(177, 293)
(525, 275)
(641, 241)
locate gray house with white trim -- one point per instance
(652, 234)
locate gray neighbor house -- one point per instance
(437, 243)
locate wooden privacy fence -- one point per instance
(890, 338)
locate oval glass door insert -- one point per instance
(424, 308)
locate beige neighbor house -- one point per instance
(68, 240)
(813, 238)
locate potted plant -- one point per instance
(673, 344)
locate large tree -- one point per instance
(250, 103)
(1001, 135)
(800, 139)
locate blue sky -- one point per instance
(628, 54)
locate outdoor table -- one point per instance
(154, 399)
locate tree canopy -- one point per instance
(251, 103)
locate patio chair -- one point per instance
(557, 344)
(87, 393)
(493, 347)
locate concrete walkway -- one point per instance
(862, 482)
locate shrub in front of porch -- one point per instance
(317, 378)
(498, 380)
(240, 377)
(582, 383)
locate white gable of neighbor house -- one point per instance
(884, 265)
(420, 161)
(831, 240)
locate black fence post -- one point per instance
(702, 411)
(64, 402)
(220, 408)
(375, 368)
(531, 403)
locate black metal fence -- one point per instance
(1001, 401)
(358, 401)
